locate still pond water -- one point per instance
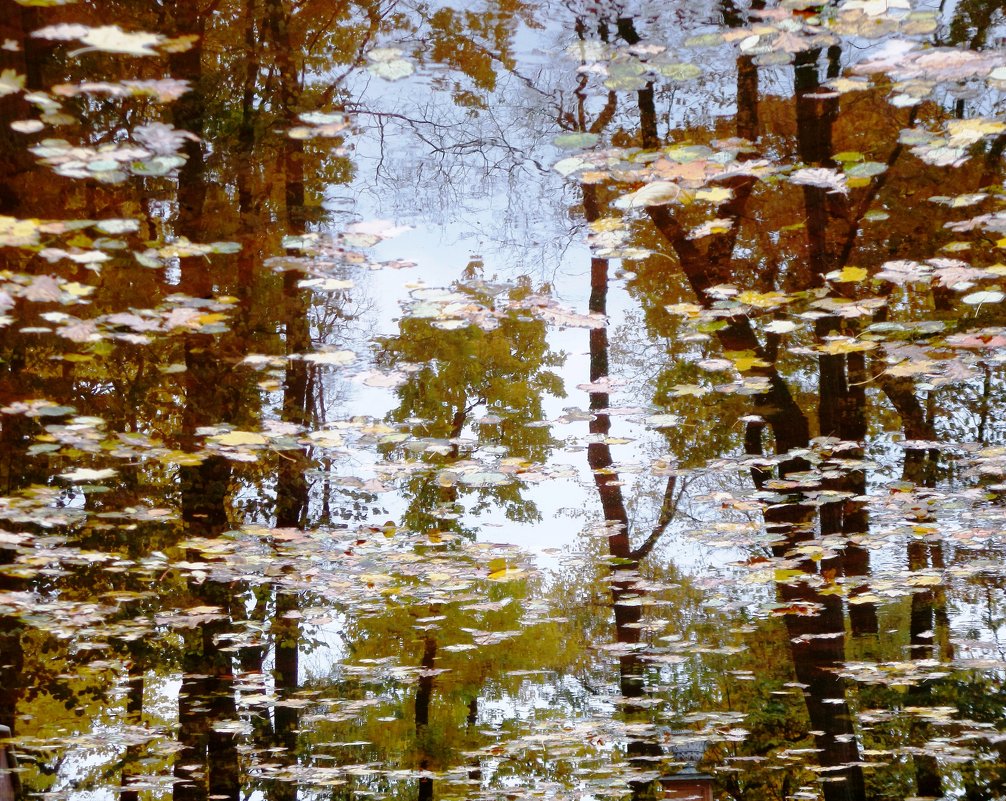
(503, 400)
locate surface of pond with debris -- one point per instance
(502, 399)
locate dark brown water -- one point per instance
(403, 400)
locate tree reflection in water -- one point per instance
(256, 533)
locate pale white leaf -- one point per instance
(88, 474)
(832, 180)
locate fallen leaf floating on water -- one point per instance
(711, 228)
(387, 63)
(27, 126)
(319, 125)
(239, 438)
(822, 177)
(88, 474)
(163, 90)
(903, 272)
(876, 8)
(902, 61)
(333, 357)
(988, 296)
(658, 193)
(107, 39)
(10, 82)
(161, 138)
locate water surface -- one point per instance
(502, 400)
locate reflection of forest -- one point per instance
(473, 388)
(836, 236)
(126, 382)
(181, 523)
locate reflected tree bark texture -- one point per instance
(919, 470)
(819, 640)
(815, 621)
(208, 764)
(644, 754)
(17, 471)
(292, 488)
(16, 24)
(253, 604)
(842, 378)
(14, 429)
(424, 697)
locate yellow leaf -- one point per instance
(682, 390)
(179, 44)
(745, 360)
(764, 300)
(966, 132)
(911, 367)
(840, 346)
(181, 458)
(436, 578)
(686, 309)
(714, 194)
(209, 319)
(496, 565)
(78, 290)
(239, 438)
(851, 274)
(788, 576)
(607, 224)
(327, 438)
(506, 574)
(15, 232)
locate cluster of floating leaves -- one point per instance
(432, 588)
(155, 154)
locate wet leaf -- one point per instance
(575, 141)
(832, 180)
(239, 438)
(106, 38)
(988, 296)
(680, 72)
(387, 63)
(336, 357)
(876, 8)
(848, 275)
(658, 193)
(88, 474)
(865, 169)
(10, 82)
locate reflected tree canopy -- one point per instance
(525, 400)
